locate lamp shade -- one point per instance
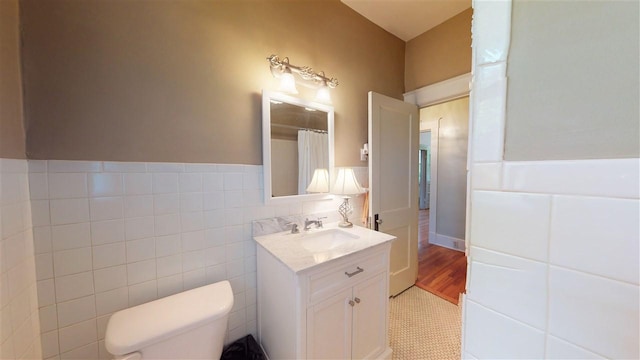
(319, 182)
(346, 183)
(288, 82)
(323, 94)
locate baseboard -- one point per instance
(264, 351)
(386, 355)
(446, 241)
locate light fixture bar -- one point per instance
(304, 71)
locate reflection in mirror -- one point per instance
(297, 151)
(299, 146)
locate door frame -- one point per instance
(451, 89)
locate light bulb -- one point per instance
(288, 82)
(323, 95)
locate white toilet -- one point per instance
(188, 325)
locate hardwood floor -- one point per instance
(441, 271)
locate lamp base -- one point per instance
(344, 210)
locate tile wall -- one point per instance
(111, 235)
(554, 245)
(19, 322)
(565, 258)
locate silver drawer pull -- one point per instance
(355, 272)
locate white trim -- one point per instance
(614, 178)
(267, 96)
(446, 241)
(386, 355)
(443, 91)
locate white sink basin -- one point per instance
(307, 249)
(325, 240)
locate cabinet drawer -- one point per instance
(344, 274)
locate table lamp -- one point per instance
(346, 184)
(319, 181)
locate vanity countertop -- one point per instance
(294, 250)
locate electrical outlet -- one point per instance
(364, 152)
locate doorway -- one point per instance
(442, 214)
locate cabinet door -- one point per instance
(370, 317)
(329, 328)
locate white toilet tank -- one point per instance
(188, 325)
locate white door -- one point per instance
(394, 135)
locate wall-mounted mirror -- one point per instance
(297, 148)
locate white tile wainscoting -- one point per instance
(19, 322)
(554, 268)
(553, 245)
(111, 235)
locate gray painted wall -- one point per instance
(180, 81)
(11, 115)
(573, 81)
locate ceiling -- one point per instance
(407, 19)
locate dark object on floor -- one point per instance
(243, 349)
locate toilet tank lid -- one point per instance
(132, 329)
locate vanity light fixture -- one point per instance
(346, 184)
(284, 70)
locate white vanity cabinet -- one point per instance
(351, 324)
(334, 310)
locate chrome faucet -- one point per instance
(294, 227)
(308, 222)
(317, 222)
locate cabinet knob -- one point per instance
(352, 303)
(357, 300)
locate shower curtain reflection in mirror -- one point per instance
(313, 154)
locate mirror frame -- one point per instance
(267, 96)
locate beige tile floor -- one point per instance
(423, 326)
